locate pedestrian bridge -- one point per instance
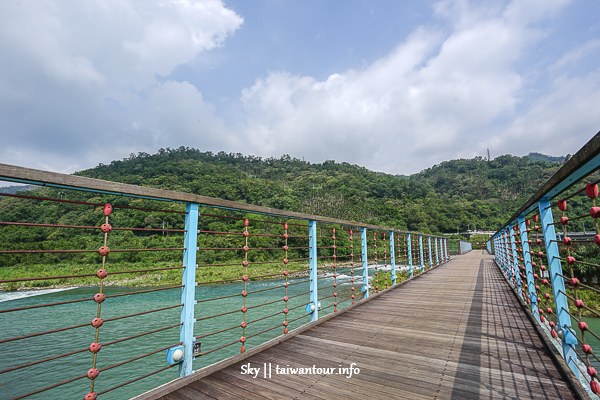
(457, 332)
(230, 293)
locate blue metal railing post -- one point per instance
(528, 269)
(558, 284)
(430, 254)
(421, 252)
(446, 249)
(504, 257)
(312, 244)
(365, 263)
(410, 260)
(188, 292)
(393, 257)
(437, 257)
(515, 258)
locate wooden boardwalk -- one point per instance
(456, 332)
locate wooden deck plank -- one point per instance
(456, 332)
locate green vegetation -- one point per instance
(449, 196)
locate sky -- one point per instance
(394, 86)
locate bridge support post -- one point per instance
(515, 261)
(410, 260)
(430, 254)
(312, 245)
(392, 258)
(188, 292)
(528, 269)
(437, 257)
(365, 262)
(558, 284)
(422, 262)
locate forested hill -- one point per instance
(440, 199)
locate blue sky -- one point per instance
(395, 86)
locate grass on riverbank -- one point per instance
(153, 278)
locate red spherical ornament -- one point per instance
(564, 220)
(587, 349)
(591, 189)
(104, 250)
(285, 236)
(102, 273)
(595, 212)
(562, 205)
(246, 233)
(285, 310)
(553, 333)
(597, 239)
(570, 260)
(594, 386)
(285, 331)
(246, 248)
(97, 322)
(579, 303)
(245, 278)
(95, 347)
(285, 248)
(574, 282)
(246, 222)
(93, 373)
(243, 339)
(582, 326)
(107, 209)
(285, 226)
(244, 309)
(285, 298)
(99, 297)
(285, 261)
(591, 371)
(91, 396)
(285, 323)
(105, 228)
(245, 263)
(244, 324)
(244, 293)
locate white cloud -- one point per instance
(88, 82)
(445, 92)
(83, 77)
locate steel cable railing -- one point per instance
(537, 255)
(247, 275)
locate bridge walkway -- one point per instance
(456, 332)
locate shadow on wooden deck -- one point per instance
(456, 332)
